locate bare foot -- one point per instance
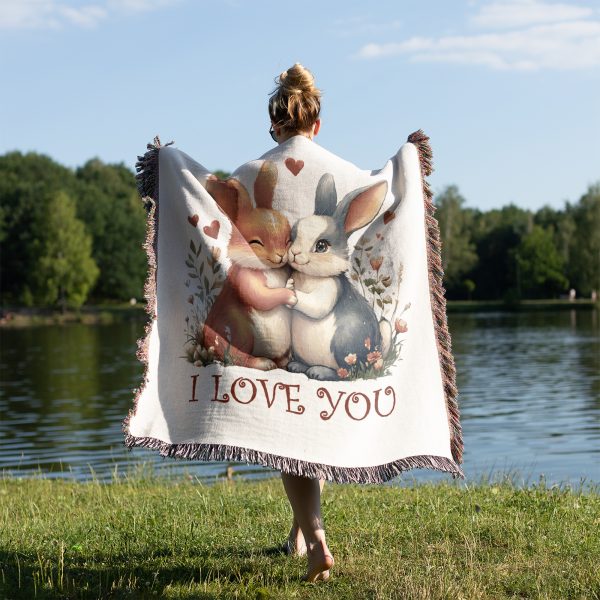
(320, 561)
(295, 544)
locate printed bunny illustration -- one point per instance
(332, 323)
(249, 323)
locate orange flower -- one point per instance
(401, 326)
(373, 356)
(350, 359)
(378, 364)
(343, 373)
(376, 262)
(368, 343)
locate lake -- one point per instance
(529, 387)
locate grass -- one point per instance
(147, 537)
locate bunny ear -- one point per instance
(359, 208)
(326, 196)
(243, 197)
(225, 196)
(230, 195)
(264, 186)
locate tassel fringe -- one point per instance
(225, 453)
(438, 299)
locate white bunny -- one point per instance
(331, 320)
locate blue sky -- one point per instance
(508, 90)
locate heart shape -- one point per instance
(212, 229)
(388, 215)
(295, 166)
(193, 220)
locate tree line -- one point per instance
(70, 236)
(513, 253)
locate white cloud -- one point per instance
(54, 14)
(520, 13)
(559, 39)
(138, 5)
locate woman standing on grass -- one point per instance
(294, 108)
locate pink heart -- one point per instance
(212, 229)
(388, 215)
(295, 166)
(193, 220)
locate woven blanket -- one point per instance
(297, 315)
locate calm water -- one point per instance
(529, 383)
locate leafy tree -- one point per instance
(65, 270)
(27, 181)
(114, 215)
(584, 250)
(458, 250)
(540, 266)
(497, 233)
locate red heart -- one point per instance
(193, 221)
(295, 166)
(212, 229)
(388, 215)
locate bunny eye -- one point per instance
(322, 246)
(256, 242)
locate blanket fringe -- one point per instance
(148, 186)
(438, 299)
(225, 453)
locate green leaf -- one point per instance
(192, 246)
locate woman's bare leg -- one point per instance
(304, 495)
(295, 541)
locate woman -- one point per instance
(294, 108)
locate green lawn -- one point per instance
(147, 537)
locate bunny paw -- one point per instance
(264, 364)
(322, 373)
(290, 283)
(295, 366)
(292, 301)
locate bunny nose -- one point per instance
(294, 255)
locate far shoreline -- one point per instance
(104, 314)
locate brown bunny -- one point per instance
(250, 320)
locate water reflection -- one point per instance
(529, 383)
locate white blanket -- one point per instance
(297, 315)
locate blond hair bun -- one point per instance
(295, 103)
